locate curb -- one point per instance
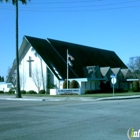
(71, 98)
(21, 99)
(118, 98)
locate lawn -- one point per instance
(99, 95)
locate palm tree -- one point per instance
(15, 2)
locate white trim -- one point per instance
(132, 79)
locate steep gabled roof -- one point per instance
(104, 70)
(53, 52)
(87, 56)
(127, 73)
(92, 72)
(115, 70)
(50, 56)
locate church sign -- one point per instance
(68, 91)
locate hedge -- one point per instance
(1, 91)
(135, 85)
(32, 92)
(74, 84)
(65, 84)
(42, 91)
(23, 92)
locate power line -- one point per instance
(87, 6)
(66, 2)
(80, 10)
(81, 1)
(69, 8)
(132, 1)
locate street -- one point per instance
(68, 120)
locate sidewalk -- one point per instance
(33, 98)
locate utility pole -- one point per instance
(18, 94)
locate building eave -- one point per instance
(21, 50)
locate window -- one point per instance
(9, 85)
(30, 66)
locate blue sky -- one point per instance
(106, 24)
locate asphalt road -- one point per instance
(68, 120)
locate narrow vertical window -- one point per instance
(30, 66)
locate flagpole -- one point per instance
(67, 69)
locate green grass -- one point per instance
(95, 95)
(99, 95)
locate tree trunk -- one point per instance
(18, 94)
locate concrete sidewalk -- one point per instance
(33, 98)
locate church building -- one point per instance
(43, 62)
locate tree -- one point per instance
(134, 66)
(37, 79)
(22, 80)
(8, 72)
(2, 79)
(37, 55)
(15, 2)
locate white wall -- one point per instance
(27, 83)
(89, 85)
(5, 86)
(124, 85)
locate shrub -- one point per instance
(86, 91)
(12, 90)
(1, 91)
(51, 86)
(32, 92)
(74, 84)
(105, 87)
(23, 92)
(135, 85)
(90, 91)
(65, 84)
(42, 91)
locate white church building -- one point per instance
(43, 62)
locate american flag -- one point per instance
(69, 62)
(71, 58)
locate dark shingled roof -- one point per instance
(53, 52)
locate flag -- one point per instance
(71, 58)
(69, 62)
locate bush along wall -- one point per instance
(1, 91)
(12, 91)
(50, 86)
(135, 86)
(31, 92)
(65, 84)
(23, 92)
(42, 91)
(74, 84)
